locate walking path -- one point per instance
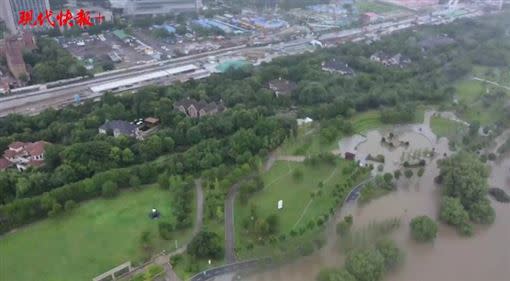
(230, 255)
(491, 82)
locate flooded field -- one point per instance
(485, 256)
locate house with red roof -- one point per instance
(23, 155)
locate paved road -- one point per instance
(228, 269)
(355, 191)
(230, 255)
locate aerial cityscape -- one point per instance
(293, 140)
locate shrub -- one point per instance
(306, 248)
(55, 210)
(408, 174)
(380, 168)
(109, 189)
(365, 265)
(390, 252)
(165, 230)
(69, 205)
(135, 182)
(423, 229)
(420, 172)
(297, 174)
(491, 156)
(499, 195)
(396, 174)
(342, 228)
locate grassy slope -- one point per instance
(95, 237)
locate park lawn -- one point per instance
(443, 127)
(374, 6)
(93, 238)
(469, 91)
(296, 196)
(365, 121)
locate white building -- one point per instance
(151, 7)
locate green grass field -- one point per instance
(307, 142)
(96, 236)
(298, 206)
(471, 108)
(374, 6)
(446, 128)
(366, 121)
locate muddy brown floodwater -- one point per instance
(483, 257)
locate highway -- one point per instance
(34, 102)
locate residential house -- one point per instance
(398, 60)
(23, 155)
(120, 128)
(337, 66)
(282, 87)
(151, 122)
(195, 109)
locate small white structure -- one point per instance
(304, 121)
(280, 204)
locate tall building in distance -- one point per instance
(152, 7)
(10, 11)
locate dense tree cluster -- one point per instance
(464, 179)
(206, 245)
(50, 62)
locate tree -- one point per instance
(390, 252)
(420, 172)
(464, 177)
(206, 245)
(127, 156)
(482, 212)
(109, 189)
(452, 211)
(365, 265)
(408, 173)
(333, 274)
(423, 229)
(396, 174)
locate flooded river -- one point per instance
(483, 257)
